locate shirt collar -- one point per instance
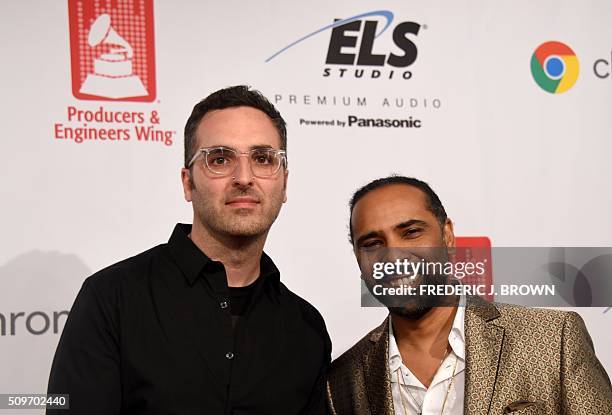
(395, 358)
(456, 338)
(194, 263)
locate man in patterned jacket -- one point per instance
(471, 357)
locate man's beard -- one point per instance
(241, 222)
(415, 306)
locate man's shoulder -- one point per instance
(128, 271)
(529, 325)
(309, 312)
(521, 317)
(353, 357)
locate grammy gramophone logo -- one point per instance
(112, 50)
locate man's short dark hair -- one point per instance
(433, 201)
(234, 96)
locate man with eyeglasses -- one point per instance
(203, 324)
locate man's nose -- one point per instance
(399, 248)
(243, 175)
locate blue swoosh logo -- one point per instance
(384, 13)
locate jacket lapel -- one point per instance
(376, 371)
(483, 343)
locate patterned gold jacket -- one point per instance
(518, 360)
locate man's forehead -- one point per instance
(238, 127)
(389, 206)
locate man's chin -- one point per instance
(410, 312)
(246, 227)
(412, 307)
(406, 305)
(244, 211)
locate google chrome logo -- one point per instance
(554, 67)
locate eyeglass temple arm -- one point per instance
(196, 155)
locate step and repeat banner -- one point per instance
(502, 107)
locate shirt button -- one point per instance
(229, 355)
(223, 304)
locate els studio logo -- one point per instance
(554, 67)
(352, 44)
(112, 50)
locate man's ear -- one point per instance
(286, 178)
(187, 183)
(356, 253)
(448, 234)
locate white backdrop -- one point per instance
(509, 160)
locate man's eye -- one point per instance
(411, 232)
(219, 161)
(371, 245)
(262, 158)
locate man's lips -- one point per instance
(397, 280)
(242, 201)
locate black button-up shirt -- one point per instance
(153, 335)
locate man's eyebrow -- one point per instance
(401, 225)
(253, 147)
(261, 146)
(409, 223)
(366, 236)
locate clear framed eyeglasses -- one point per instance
(223, 161)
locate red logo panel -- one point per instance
(476, 249)
(112, 50)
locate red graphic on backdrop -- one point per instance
(476, 249)
(112, 50)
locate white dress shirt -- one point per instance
(429, 400)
